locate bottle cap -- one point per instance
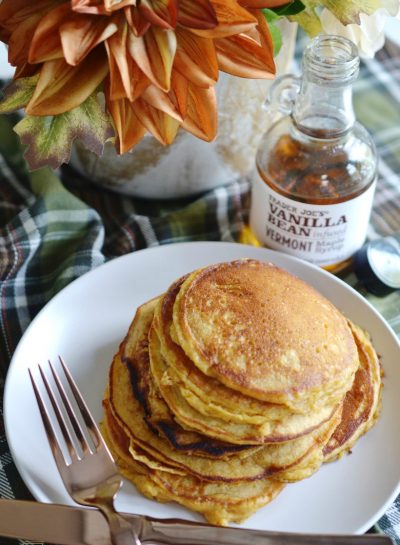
(377, 265)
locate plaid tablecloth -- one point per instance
(56, 227)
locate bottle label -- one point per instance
(321, 234)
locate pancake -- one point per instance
(158, 416)
(237, 380)
(361, 405)
(273, 432)
(252, 410)
(265, 333)
(219, 502)
(202, 403)
(266, 461)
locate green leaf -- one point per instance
(275, 31)
(17, 94)
(308, 19)
(270, 15)
(274, 14)
(293, 8)
(49, 138)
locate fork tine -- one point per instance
(80, 436)
(86, 415)
(49, 428)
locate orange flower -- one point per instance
(158, 60)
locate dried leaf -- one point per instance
(49, 139)
(17, 94)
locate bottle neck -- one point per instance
(324, 106)
(322, 111)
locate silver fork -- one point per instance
(90, 476)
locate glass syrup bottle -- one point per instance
(316, 166)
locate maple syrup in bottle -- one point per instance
(315, 175)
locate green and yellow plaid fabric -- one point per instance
(54, 227)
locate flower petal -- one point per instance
(94, 7)
(201, 117)
(136, 21)
(26, 70)
(154, 54)
(62, 87)
(243, 56)
(14, 12)
(179, 92)
(263, 3)
(46, 43)
(159, 124)
(82, 32)
(161, 101)
(114, 5)
(100, 7)
(196, 58)
(126, 123)
(232, 19)
(265, 39)
(127, 80)
(20, 40)
(199, 14)
(162, 13)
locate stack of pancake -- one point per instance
(240, 378)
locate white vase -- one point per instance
(190, 166)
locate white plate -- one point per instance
(88, 319)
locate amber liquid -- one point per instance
(316, 172)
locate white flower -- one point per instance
(369, 36)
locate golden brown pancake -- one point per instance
(273, 432)
(239, 379)
(361, 404)
(202, 403)
(265, 333)
(158, 416)
(219, 502)
(262, 462)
